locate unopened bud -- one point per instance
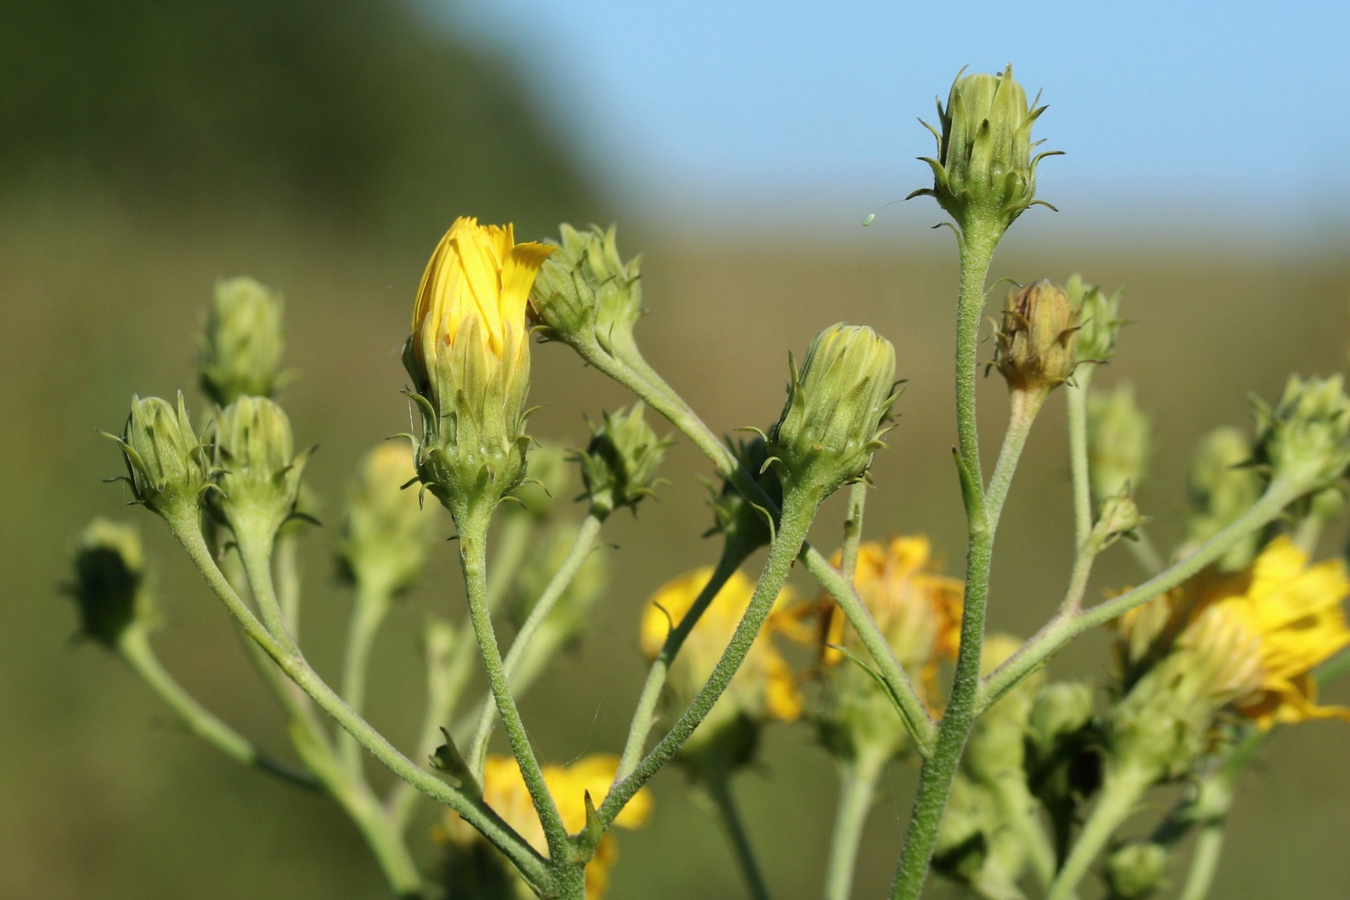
(1222, 486)
(620, 463)
(832, 422)
(1059, 709)
(242, 342)
(1117, 518)
(1118, 441)
(984, 174)
(167, 463)
(1305, 436)
(385, 532)
(1135, 870)
(111, 584)
(259, 470)
(1099, 319)
(1035, 346)
(587, 292)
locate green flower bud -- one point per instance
(242, 342)
(587, 292)
(984, 174)
(1059, 709)
(166, 461)
(1306, 435)
(1099, 318)
(741, 522)
(1117, 518)
(1135, 870)
(1118, 441)
(111, 584)
(258, 469)
(1035, 349)
(1222, 486)
(619, 464)
(832, 421)
(548, 477)
(384, 538)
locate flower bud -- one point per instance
(469, 360)
(832, 422)
(1059, 709)
(1135, 870)
(741, 522)
(587, 292)
(1035, 347)
(1099, 318)
(166, 461)
(1222, 486)
(111, 583)
(258, 469)
(242, 342)
(984, 174)
(1118, 441)
(1117, 518)
(1306, 435)
(383, 545)
(619, 464)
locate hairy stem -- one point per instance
(1120, 792)
(857, 788)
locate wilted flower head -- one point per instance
(1034, 349)
(504, 790)
(469, 360)
(764, 687)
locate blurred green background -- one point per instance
(147, 152)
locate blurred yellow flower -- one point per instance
(916, 608)
(504, 790)
(474, 289)
(1264, 628)
(765, 686)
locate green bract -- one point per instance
(166, 460)
(984, 175)
(619, 464)
(832, 422)
(258, 469)
(1306, 435)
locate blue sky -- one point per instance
(1235, 113)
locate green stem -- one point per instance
(661, 397)
(449, 668)
(1120, 792)
(848, 555)
(1204, 862)
(1025, 407)
(799, 507)
(1066, 625)
(1018, 809)
(581, 548)
(288, 579)
(187, 529)
(255, 550)
(368, 613)
(134, 648)
(473, 525)
(939, 768)
(1075, 394)
(644, 717)
(718, 785)
(857, 787)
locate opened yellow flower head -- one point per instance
(765, 686)
(504, 790)
(469, 360)
(918, 610)
(1263, 629)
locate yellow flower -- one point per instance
(1264, 629)
(469, 360)
(504, 790)
(477, 283)
(764, 687)
(916, 608)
